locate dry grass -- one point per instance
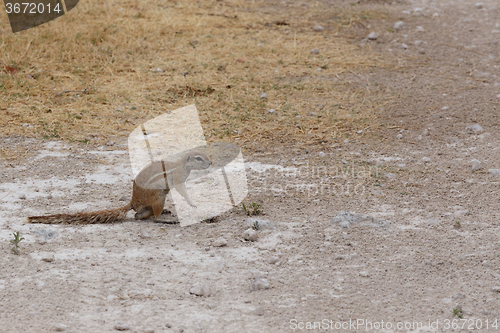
(90, 74)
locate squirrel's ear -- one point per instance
(189, 158)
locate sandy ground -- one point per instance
(432, 246)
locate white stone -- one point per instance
(399, 25)
(250, 235)
(494, 172)
(260, 283)
(475, 128)
(220, 242)
(476, 165)
(200, 289)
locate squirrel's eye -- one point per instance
(198, 158)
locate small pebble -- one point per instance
(259, 311)
(200, 289)
(496, 288)
(149, 330)
(60, 327)
(478, 5)
(314, 51)
(48, 258)
(426, 159)
(364, 274)
(145, 234)
(168, 325)
(259, 283)
(476, 128)
(22, 197)
(220, 242)
(421, 29)
(273, 260)
(250, 235)
(399, 25)
(124, 198)
(373, 35)
(399, 136)
(318, 28)
(494, 172)
(159, 70)
(421, 51)
(271, 111)
(321, 154)
(461, 213)
(121, 326)
(263, 95)
(109, 143)
(476, 165)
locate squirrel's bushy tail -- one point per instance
(97, 217)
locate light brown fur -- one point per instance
(150, 189)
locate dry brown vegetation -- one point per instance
(91, 74)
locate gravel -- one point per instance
(318, 28)
(373, 35)
(263, 95)
(314, 51)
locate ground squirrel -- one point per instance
(150, 188)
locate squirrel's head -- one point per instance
(198, 161)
